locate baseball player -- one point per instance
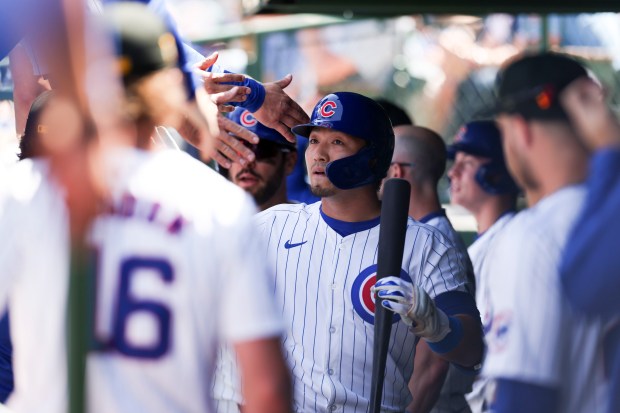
(36, 125)
(161, 248)
(541, 356)
(480, 182)
(590, 262)
(324, 257)
(265, 180)
(275, 157)
(420, 158)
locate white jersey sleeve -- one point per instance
(248, 308)
(436, 262)
(33, 270)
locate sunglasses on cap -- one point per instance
(264, 149)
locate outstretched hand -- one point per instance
(414, 306)
(219, 92)
(228, 146)
(279, 111)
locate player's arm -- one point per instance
(429, 374)
(450, 323)
(266, 381)
(271, 105)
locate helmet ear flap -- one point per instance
(353, 171)
(494, 179)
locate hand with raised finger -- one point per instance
(416, 308)
(279, 111)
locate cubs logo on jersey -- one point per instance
(497, 331)
(362, 298)
(247, 119)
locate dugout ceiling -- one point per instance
(386, 8)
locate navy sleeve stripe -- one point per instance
(457, 302)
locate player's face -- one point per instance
(464, 189)
(324, 146)
(263, 177)
(512, 130)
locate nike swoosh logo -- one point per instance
(288, 244)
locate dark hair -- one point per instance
(30, 138)
(397, 115)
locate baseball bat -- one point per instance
(394, 210)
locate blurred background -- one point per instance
(439, 68)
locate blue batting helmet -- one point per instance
(483, 139)
(363, 118)
(245, 118)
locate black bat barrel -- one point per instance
(394, 210)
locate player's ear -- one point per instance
(290, 159)
(395, 171)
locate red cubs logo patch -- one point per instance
(247, 119)
(460, 134)
(327, 110)
(363, 299)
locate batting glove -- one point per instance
(414, 306)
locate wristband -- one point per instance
(451, 340)
(256, 97)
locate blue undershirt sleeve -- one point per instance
(512, 396)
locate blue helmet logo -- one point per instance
(327, 110)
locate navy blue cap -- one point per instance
(479, 138)
(531, 85)
(246, 119)
(351, 113)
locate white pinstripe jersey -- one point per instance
(322, 281)
(176, 240)
(531, 332)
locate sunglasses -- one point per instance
(264, 149)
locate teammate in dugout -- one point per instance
(161, 247)
(542, 356)
(324, 260)
(420, 158)
(265, 177)
(591, 263)
(480, 182)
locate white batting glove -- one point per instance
(414, 306)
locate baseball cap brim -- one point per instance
(464, 147)
(305, 129)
